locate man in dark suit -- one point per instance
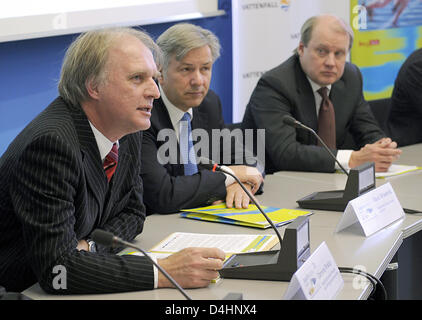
(405, 118)
(189, 52)
(292, 89)
(76, 167)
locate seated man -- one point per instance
(76, 167)
(405, 119)
(186, 107)
(317, 87)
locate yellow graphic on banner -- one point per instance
(385, 34)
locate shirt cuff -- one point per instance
(229, 179)
(343, 156)
(155, 270)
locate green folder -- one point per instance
(250, 217)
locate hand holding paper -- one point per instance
(192, 267)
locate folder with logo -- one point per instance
(250, 217)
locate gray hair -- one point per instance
(308, 27)
(181, 38)
(86, 60)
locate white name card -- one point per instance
(317, 279)
(373, 210)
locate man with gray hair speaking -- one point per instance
(76, 168)
(317, 87)
(187, 106)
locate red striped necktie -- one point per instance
(110, 162)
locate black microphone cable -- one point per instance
(108, 239)
(215, 167)
(290, 121)
(374, 280)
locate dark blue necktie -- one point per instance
(187, 151)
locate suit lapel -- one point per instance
(161, 120)
(200, 119)
(91, 160)
(306, 99)
(337, 94)
(160, 116)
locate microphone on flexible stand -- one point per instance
(272, 265)
(215, 167)
(351, 191)
(360, 180)
(106, 238)
(290, 121)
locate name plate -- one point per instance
(317, 279)
(373, 210)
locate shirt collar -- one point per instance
(316, 87)
(174, 112)
(104, 145)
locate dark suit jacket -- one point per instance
(285, 90)
(405, 118)
(167, 189)
(54, 192)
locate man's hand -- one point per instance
(191, 267)
(383, 153)
(248, 175)
(237, 197)
(82, 245)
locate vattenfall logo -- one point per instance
(283, 4)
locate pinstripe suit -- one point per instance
(54, 192)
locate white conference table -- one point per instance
(350, 248)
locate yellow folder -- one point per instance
(250, 217)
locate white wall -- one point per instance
(25, 19)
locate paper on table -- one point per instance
(395, 170)
(229, 243)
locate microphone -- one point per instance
(106, 238)
(336, 200)
(215, 167)
(290, 121)
(274, 265)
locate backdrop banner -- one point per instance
(386, 33)
(265, 33)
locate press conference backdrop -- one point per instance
(271, 30)
(34, 36)
(264, 33)
(25, 19)
(383, 40)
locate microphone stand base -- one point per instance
(257, 266)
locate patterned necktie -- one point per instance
(187, 151)
(326, 120)
(110, 162)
